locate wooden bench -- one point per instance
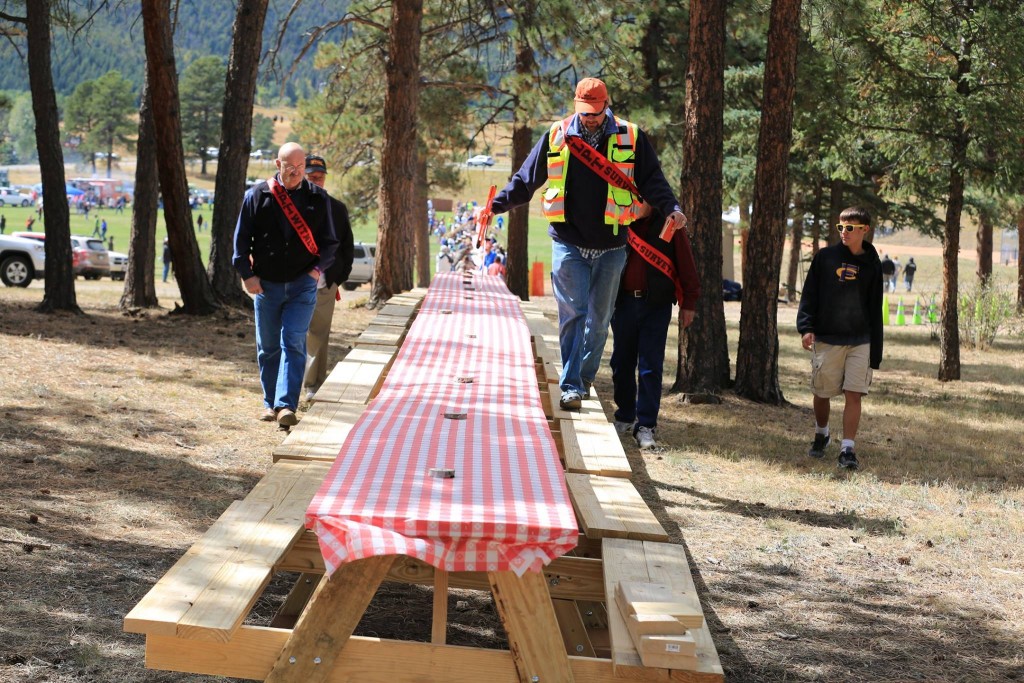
(357, 378)
(321, 432)
(611, 507)
(593, 447)
(661, 563)
(208, 593)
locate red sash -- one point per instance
(601, 166)
(293, 216)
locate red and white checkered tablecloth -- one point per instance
(467, 355)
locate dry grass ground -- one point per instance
(122, 439)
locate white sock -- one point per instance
(847, 445)
(821, 430)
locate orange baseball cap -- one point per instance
(591, 96)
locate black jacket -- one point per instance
(842, 299)
(264, 233)
(342, 266)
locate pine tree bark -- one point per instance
(703, 365)
(984, 247)
(949, 330)
(235, 145)
(757, 360)
(196, 293)
(392, 271)
(139, 288)
(744, 231)
(518, 266)
(422, 234)
(59, 285)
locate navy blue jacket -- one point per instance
(586, 192)
(842, 299)
(264, 233)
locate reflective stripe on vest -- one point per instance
(620, 204)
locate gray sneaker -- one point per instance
(645, 438)
(848, 460)
(571, 400)
(624, 427)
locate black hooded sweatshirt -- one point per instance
(842, 299)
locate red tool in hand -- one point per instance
(483, 219)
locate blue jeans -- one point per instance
(585, 291)
(283, 312)
(641, 331)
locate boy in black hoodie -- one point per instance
(840, 318)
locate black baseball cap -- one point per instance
(315, 163)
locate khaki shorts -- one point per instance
(835, 369)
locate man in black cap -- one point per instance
(319, 335)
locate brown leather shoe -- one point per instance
(268, 415)
(286, 417)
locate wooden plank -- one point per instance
(611, 507)
(593, 447)
(323, 629)
(363, 355)
(172, 596)
(391, 321)
(574, 632)
(320, 434)
(351, 381)
(253, 650)
(296, 601)
(439, 622)
(525, 608)
(568, 577)
(367, 346)
(381, 335)
(662, 563)
(224, 603)
(399, 310)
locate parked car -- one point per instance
(88, 255)
(21, 260)
(118, 265)
(480, 160)
(363, 256)
(10, 196)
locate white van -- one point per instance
(363, 256)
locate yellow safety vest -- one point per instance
(619, 208)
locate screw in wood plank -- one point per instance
(291, 660)
(316, 660)
(554, 581)
(579, 648)
(535, 679)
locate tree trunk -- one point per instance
(835, 207)
(517, 266)
(757, 359)
(392, 270)
(795, 237)
(744, 232)
(422, 232)
(984, 246)
(59, 285)
(703, 366)
(196, 294)
(1020, 261)
(235, 144)
(816, 226)
(139, 290)
(949, 331)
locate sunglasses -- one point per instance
(849, 227)
(587, 115)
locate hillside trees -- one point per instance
(101, 111)
(202, 99)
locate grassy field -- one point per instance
(123, 438)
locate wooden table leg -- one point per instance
(332, 614)
(439, 626)
(534, 638)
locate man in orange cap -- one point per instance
(588, 220)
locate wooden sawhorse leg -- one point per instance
(534, 638)
(332, 614)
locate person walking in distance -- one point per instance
(167, 259)
(840, 322)
(657, 275)
(283, 241)
(588, 217)
(908, 273)
(319, 336)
